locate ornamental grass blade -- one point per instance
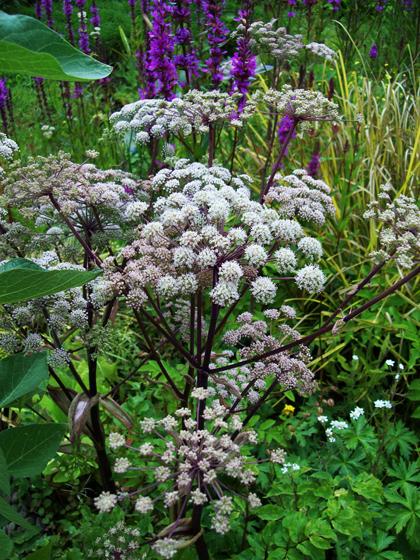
(29, 47)
(22, 280)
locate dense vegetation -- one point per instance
(209, 311)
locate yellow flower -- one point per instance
(288, 409)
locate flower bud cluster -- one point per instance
(150, 119)
(401, 232)
(191, 461)
(279, 44)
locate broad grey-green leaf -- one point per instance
(4, 475)
(6, 546)
(21, 280)
(29, 47)
(20, 374)
(28, 449)
(11, 514)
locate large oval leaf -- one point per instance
(29, 47)
(21, 280)
(20, 374)
(28, 449)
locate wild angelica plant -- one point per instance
(181, 248)
(192, 234)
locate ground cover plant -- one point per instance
(208, 280)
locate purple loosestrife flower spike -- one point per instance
(68, 10)
(373, 53)
(291, 14)
(407, 5)
(244, 62)
(47, 5)
(335, 3)
(314, 165)
(4, 90)
(187, 60)
(309, 3)
(160, 61)
(38, 9)
(95, 20)
(381, 5)
(285, 125)
(132, 4)
(216, 36)
(84, 37)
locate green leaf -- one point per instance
(319, 542)
(11, 514)
(270, 512)
(6, 546)
(20, 374)
(4, 474)
(28, 449)
(21, 280)
(368, 486)
(29, 47)
(43, 553)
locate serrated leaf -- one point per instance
(29, 47)
(21, 280)
(20, 374)
(28, 449)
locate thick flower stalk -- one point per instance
(216, 37)
(244, 62)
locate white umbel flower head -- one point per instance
(105, 502)
(310, 247)
(256, 255)
(116, 440)
(285, 260)
(225, 293)
(143, 504)
(264, 290)
(310, 278)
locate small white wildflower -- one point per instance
(339, 425)
(397, 377)
(356, 413)
(355, 357)
(323, 419)
(390, 363)
(401, 366)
